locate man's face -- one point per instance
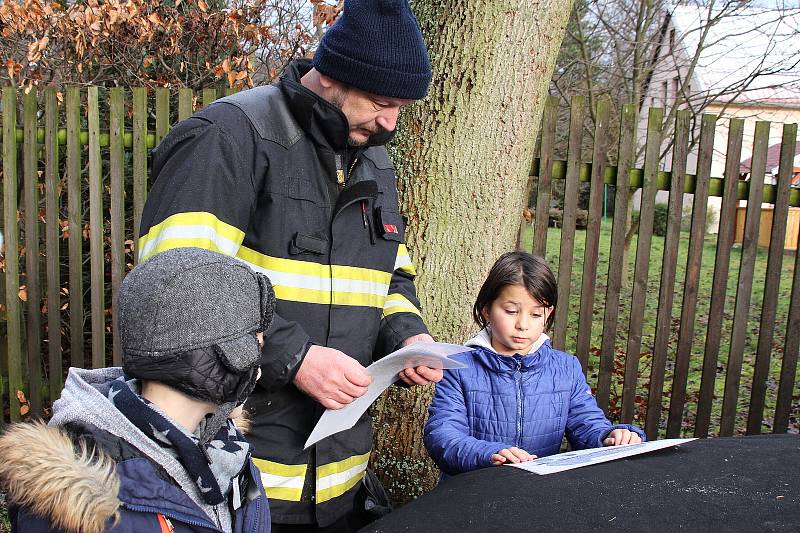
(367, 114)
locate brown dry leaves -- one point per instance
(325, 14)
(144, 42)
(24, 406)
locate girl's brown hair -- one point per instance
(518, 268)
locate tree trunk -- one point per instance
(462, 158)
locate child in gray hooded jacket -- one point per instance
(150, 446)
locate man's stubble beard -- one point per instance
(354, 143)
(337, 99)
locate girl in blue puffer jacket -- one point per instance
(518, 397)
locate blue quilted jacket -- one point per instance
(501, 401)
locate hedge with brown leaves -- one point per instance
(164, 43)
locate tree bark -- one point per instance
(462, 158)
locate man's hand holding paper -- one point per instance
(418, 356)
(331, 377)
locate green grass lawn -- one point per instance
(704, 299)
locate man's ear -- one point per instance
(326, 82)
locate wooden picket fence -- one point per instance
(106, 136)
(678, 183)
(112, 160)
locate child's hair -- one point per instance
(518, 268)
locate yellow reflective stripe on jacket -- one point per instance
(403, 261)
(282, 482)
(305, 281)
(334, 479)
(397, 303)
(198, 229)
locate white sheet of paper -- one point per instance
(385, 372)
(569, 460)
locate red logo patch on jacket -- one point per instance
(390, 228)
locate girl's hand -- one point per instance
(511, 455)
(618, 437)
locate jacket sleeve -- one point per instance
(587, 425)
(402, 317)
(447, 435)
(285, 346)
(204, 195)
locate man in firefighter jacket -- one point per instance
(294, 180)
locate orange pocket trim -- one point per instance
(166, 525)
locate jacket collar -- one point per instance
(73, 487)
(321, 120)
(139, 481)
(504, 363)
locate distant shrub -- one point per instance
(711, 218)
(556, 218)
(660, 219)
(582, 219)
(686, 219)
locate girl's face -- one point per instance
(516, 320)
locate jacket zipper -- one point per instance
(341, 175)
(175, 516)
(518, 379)
(352, 167)
(257, 526)
(367, 222)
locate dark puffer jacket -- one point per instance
(92, 468)
(501, 401)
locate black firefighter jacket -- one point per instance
(266, 176)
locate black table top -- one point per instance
(725, 484)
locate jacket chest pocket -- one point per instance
(389, 234)
(306, 217)
(389, 224)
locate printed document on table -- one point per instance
(569, 460)
(384, 373)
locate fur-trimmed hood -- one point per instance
(78, 479)
(79, 489)
(41, 468)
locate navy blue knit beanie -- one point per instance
(376, 46)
